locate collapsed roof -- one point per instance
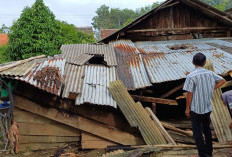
(137, 64)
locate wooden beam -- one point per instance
(173, 128)
(227, 84)
(154, 100)
(109, 117)
(215, 146)
(78, 122)
(89, 141)
(153, 108)
(207, 10)
(41, 146)
(172, 91)
(159, 125)
(179, 29)
(46, 130)
(180, 138)
(19, 62)
(170, 5)
(47, 139)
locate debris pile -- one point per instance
(49, 75)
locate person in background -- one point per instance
(227, 100)
(200, 85)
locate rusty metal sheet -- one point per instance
(131, 69)
(47, 75)
(165, 64)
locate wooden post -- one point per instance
(154, 108)
(154, 100)
(171, 127)
(172, 91)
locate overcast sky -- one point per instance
(77, 12)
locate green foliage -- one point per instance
(36, 32)
(115, 18)
(3, 55)
(70, 34)
(126, 23)
(4, 29)
(219, 4)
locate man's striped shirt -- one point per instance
(201, 83)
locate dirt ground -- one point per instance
(97, 153)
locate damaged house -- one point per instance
(76, 97)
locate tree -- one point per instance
(4, 29)
(70, 34)
(36, 32)
(115, 18)
(219, 4)
(3, 57)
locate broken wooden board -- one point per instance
(109, 117)
(181, 138)
(32, 124)
(220, 116)
(136, 114)
(23, 139)
(154, 100)
(41, 146)
(78, 122)
(89, 141)
(46, 130)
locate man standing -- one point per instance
(200, 85)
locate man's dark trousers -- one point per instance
(200, 126)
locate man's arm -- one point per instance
(188, 103)
(219, 84)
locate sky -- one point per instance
(77, 12)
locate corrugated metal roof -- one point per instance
(74, 76)
(95, 86)
(225, 45)
(136, 114)
(19, 70)
(82, 59)
(72, 52)
(50, 83)
(164, 64)
(130, 67)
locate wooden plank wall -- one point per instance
(37, 132)
(177, 16)
(89, 141)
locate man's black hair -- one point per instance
(199, 59)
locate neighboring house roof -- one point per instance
(87, 29)
(205, 9)
(107, 32)
(3, 39)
